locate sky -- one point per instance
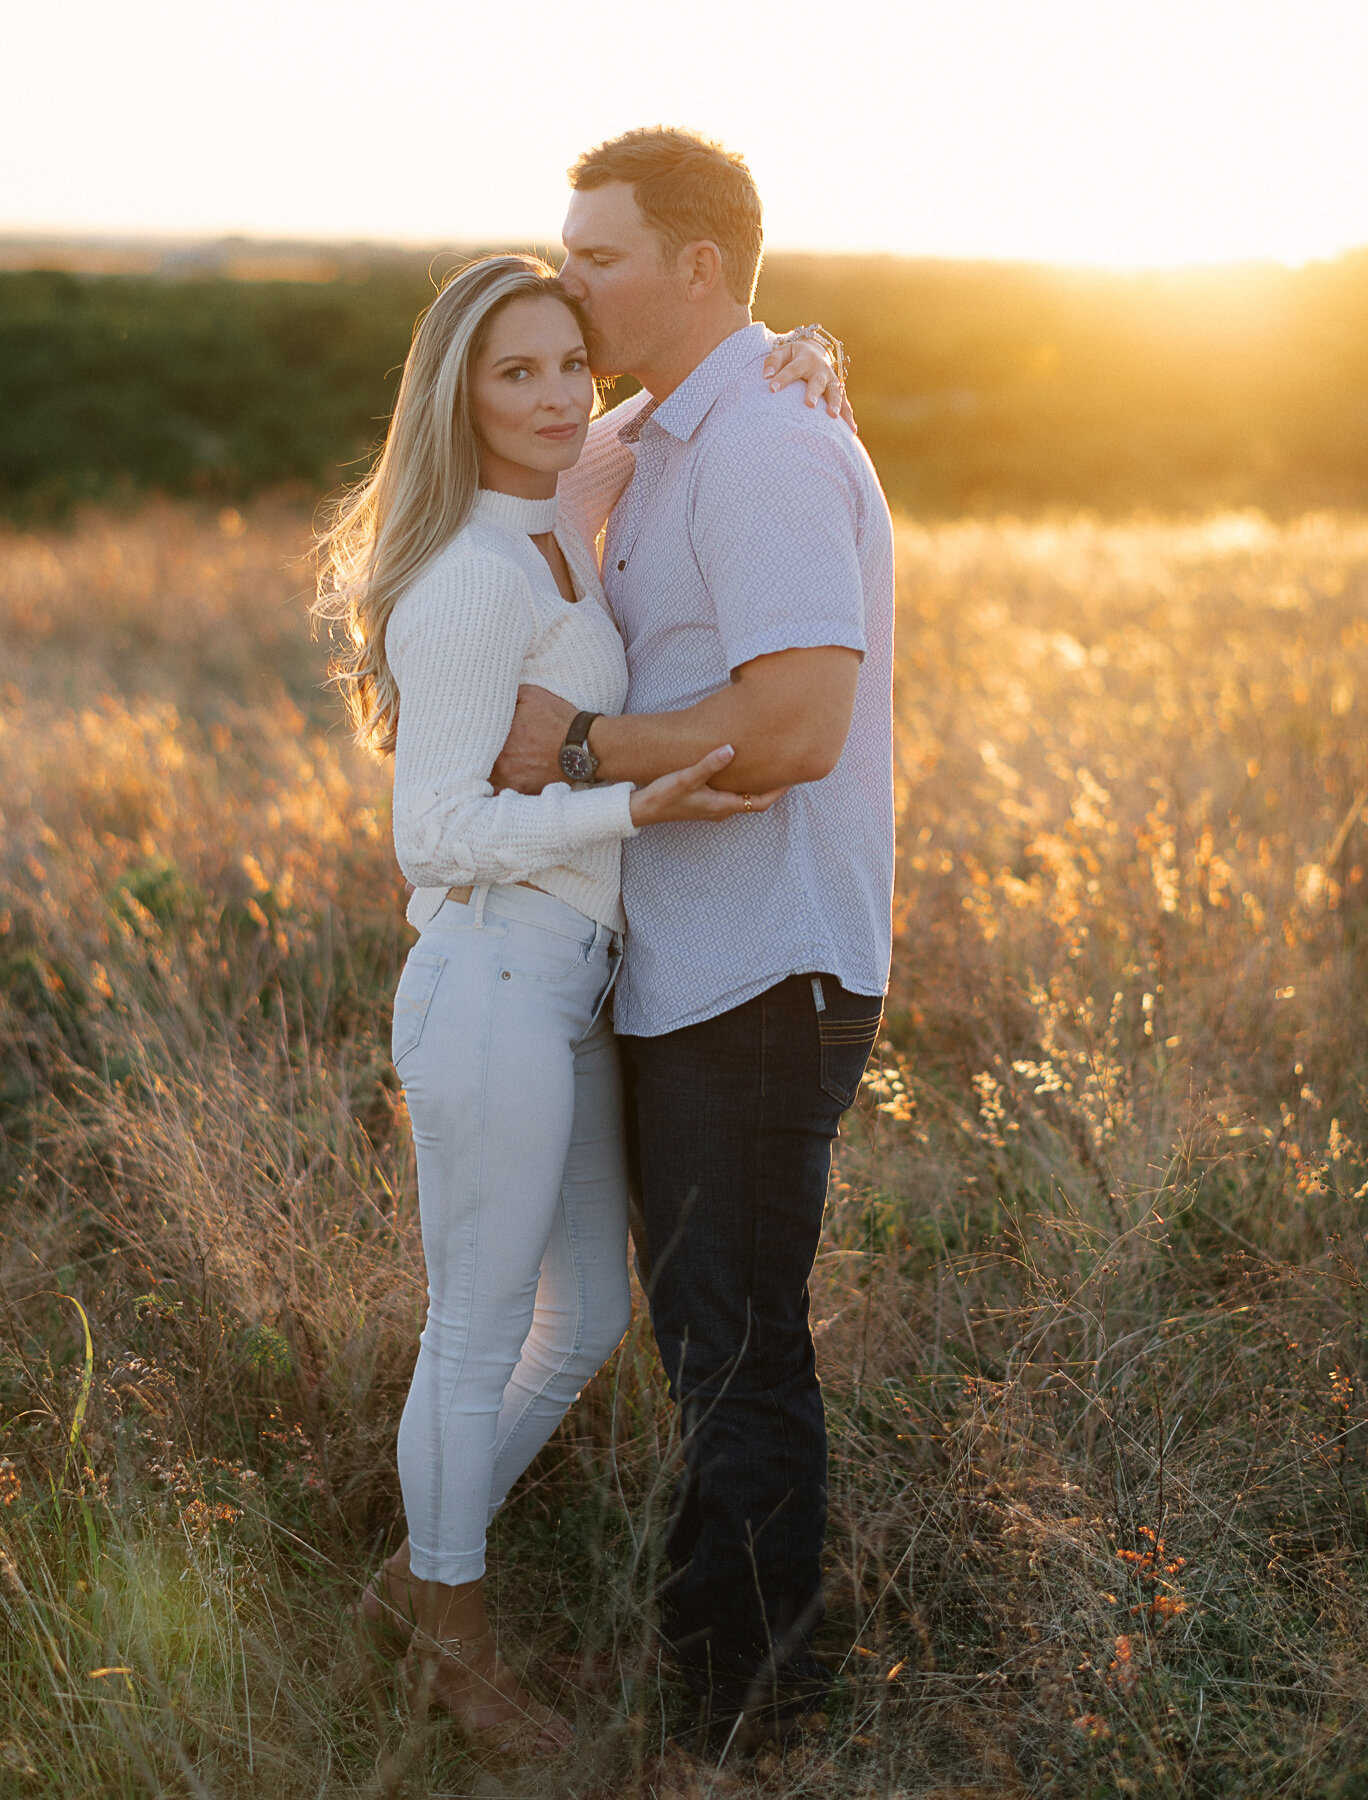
(1120, 133)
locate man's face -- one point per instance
(634, 303)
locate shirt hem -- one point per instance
(750, 991)
(820, 634)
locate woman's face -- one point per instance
(531, 393)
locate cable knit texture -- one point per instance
(483, 616)
(589, 492)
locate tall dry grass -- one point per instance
(1090, 1302)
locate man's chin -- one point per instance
(604, 362)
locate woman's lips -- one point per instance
(560, 433)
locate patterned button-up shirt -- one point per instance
(753, 524)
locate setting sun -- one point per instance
(1107, 134)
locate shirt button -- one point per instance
(507, 976)
(622, 565)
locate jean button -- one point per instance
(507, 975)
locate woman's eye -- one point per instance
(516, 373)
(574, 364)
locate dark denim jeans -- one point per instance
(730, 1125)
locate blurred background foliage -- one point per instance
(978, 386)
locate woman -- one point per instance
(456, 580)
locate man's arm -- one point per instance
(773, 527)
(786, 715)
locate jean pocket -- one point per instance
(413, 997)
(531, 954)
(847, 1026)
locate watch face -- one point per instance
(577, 764)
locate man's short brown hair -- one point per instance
(687, 188)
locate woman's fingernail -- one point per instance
(728, 752)
(774, 387)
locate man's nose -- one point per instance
(571, 282)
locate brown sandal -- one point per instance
(443, 1674)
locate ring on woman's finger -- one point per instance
(746, 803)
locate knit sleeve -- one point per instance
(589, 492)
(456, 644)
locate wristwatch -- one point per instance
(577, 760)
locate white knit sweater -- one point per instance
(483, 616)
(589, 492)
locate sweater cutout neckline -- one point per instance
(514, 513)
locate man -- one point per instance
(750, 568)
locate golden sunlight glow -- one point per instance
(1092, 131)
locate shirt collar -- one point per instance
(513, 513)
(683, 411)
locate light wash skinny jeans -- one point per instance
(514, 1092)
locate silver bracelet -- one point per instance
(835, 349)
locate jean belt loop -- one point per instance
(477, 905)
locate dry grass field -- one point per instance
(1092, 1299)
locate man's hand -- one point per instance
(530, 756)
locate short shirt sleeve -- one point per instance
(774, 525)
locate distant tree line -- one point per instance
(978, 386)
(211, 387)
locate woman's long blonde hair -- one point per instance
(421, 490)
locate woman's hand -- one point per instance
(801, 359)
(686, 794)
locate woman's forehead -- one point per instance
(539, 321)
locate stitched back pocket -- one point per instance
(412, 998)
(847, 1027)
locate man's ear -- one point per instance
(701, 263)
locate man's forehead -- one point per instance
(598, 217)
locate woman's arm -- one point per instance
(589, 492)
(456, 644)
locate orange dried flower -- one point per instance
(1094, 1724)
(201, 1515)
